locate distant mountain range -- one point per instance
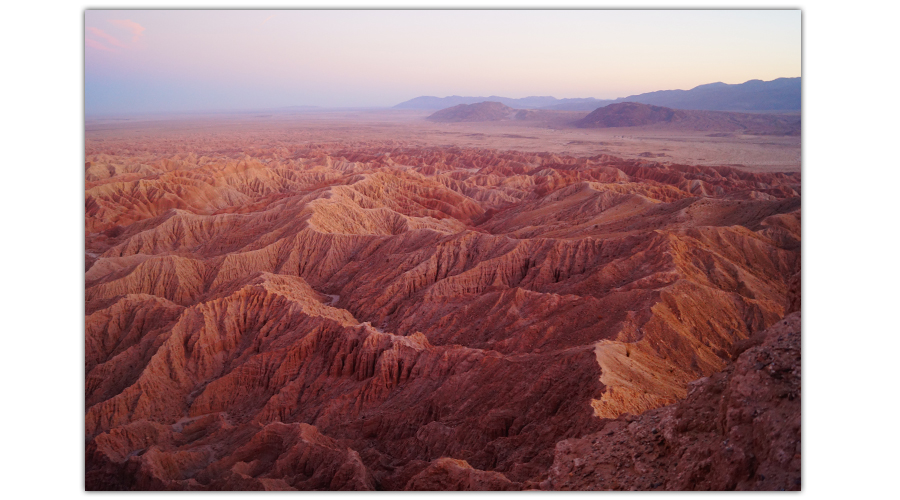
(781, 94)
(633, 114)
(630, 114)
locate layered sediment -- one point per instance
(388, 317)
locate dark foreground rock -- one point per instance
(738, 429)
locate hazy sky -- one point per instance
(163, 61)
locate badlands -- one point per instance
(366, 300)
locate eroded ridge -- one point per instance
(383, 316)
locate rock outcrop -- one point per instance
(381, 316)
(737, 429)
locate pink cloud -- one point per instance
(106, 37)
(136, 29)
(94, 44)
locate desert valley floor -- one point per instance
(367, 300)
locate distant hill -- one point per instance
(781, 94)
(479, 112)
(633, 114)
(430, 102)
(630, 114)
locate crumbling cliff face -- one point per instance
(335, 317)
(737, 429)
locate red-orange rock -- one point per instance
(335, 317)
(737, 429)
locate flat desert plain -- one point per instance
(752, 153)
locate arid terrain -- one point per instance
(545, 133)
(366, 300)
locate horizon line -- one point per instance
(312, 107)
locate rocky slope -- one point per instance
(377, 316)
(738, 429)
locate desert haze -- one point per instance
(472, 298)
